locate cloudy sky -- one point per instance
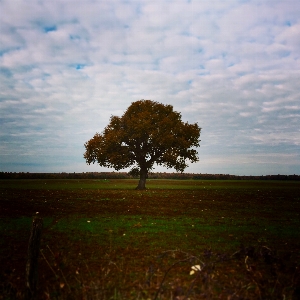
(232, 66)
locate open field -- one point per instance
(104, 240)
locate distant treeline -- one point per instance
(124, 175)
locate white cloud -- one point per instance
(232, 66)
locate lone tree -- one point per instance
(148, 132)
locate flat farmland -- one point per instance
(102, 239)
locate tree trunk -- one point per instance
(143, 177)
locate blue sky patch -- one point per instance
(50, 28)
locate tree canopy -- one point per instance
(148, 132)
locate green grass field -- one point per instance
(104, 240)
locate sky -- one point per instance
(232, 66)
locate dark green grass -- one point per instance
(90, 224)
(187, 212)
(130, 184)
